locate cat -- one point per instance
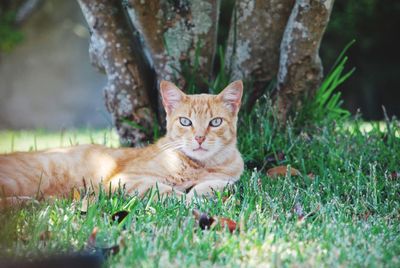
(198, 155)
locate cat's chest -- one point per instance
(187, 174)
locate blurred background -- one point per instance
(47, 81)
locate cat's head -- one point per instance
(201, 125)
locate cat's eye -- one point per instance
(185, 121)
(216, 122)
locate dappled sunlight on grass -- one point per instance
(366, 127)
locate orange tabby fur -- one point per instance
(174, 164)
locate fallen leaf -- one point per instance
(91, 243)
(230, 224)
(206, 222)
(119, 216)
(282, 171)
(203, 219)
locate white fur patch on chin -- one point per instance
(198, 155)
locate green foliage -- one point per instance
(222, 78)
(257, 132)
(373, 24)
(9, 35)
(155, 131)
(190, 71)
(325, 106)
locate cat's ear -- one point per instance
(232, 95)
(171, 95)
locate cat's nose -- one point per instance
(200, 139)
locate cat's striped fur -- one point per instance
(200, 157)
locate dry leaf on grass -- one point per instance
(119, 216)
(206, 222)
(282, 171)
(82, 200)
(228, 223)
(203, 219)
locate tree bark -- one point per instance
(115, 50)
(300, 68)
(174, 31)
(180, 36)
(254, 39)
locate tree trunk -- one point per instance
(177, 39)
(180, 36)
(115, 50)
(300, 68)
(254, 39)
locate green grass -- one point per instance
(351, 205)
(11, 141)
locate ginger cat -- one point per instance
(197, 155)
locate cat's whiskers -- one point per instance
(172, 143)
(171, 146)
